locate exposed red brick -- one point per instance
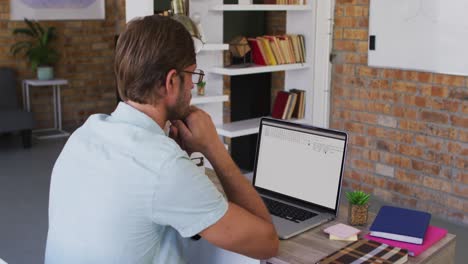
(449, 80)
(345, 45)
(459, 121)
(460, 189)
(437, 184)
(357, 11)
(408, 177)
(404, 87)
(410, 150)
(434, 117)
(426, 167)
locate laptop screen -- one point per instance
(301, 162)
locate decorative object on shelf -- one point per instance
(239, 49)
(38, 48)
(179, 13)
(196, 18)
(358, 207)
(201, 88)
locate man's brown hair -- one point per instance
(146, 51)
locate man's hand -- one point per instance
(196, 133)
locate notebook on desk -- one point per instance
(298, 172)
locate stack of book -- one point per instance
(274, 50)
(405, 228)
(366, 251)
(289, 105)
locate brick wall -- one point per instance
(408, 130)
(86, 49)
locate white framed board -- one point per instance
(423, 35)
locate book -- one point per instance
(257, 55)
(341, 230)
(366, 251)
(268, 52)
(299, 102)
(351, 238)
(400, 224)
(433, 235)
(279, 105)
(291, 106)
(286, 108)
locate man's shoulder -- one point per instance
(127, 139)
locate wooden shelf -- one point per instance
(214, 47)
(261, 8)
(258, 69)
(208, 98)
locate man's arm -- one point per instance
(246, 227)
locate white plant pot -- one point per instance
(45, 73)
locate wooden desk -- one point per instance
(312, 245)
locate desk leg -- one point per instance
(54, 88)
(23, 91)
(28, 101)
(59, 109)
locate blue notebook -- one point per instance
(400, 224)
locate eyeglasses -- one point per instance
(197, 75)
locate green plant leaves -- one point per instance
(37, 50)
(358, 197)
(24, 31)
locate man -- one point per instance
(124, 192)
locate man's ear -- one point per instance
(171, 81)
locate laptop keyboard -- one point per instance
(287, 211)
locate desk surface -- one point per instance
(312, 245)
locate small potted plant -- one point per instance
(358, 207)
(37, 48)
(201, 88)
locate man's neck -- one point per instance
(154, 112)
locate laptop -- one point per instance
(298, 173)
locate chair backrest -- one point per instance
(8, 88)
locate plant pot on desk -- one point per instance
(357, 214)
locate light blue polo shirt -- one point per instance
(123, 192)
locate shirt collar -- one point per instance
(131, 115)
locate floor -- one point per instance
(24, 192)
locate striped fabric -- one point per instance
(366, 251)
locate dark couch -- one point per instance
(12, 116)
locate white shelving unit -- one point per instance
(239, 128)
(261, 8)
(258, 69)
(209, 97)
(214, 47)
(245, 127)
(314, 21)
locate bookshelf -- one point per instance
(245, 127)
(209, 97)
(312, 76)
(258, 69)
(214, 47)
(261, 8)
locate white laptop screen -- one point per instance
(300, 163)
